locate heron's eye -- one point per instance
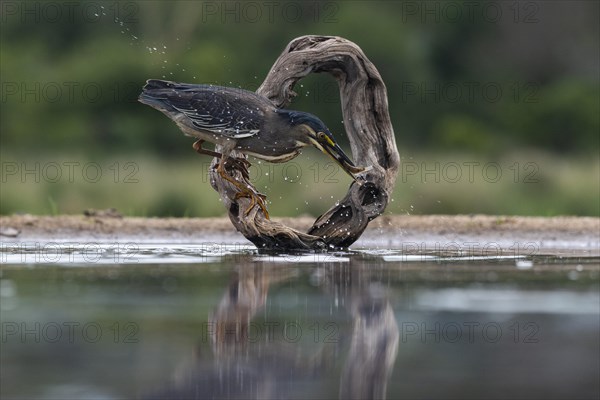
(321, 135)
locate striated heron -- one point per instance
(244, 121)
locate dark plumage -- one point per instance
(232, 113)
(241, 120)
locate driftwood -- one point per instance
(369, 129)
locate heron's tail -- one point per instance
(157, 84)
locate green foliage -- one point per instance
(463, 132)
(448, 182)
(421, 60)
(70, 86)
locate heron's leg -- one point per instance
(200, 150)
(244, 190)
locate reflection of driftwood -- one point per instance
(375, 334)
(372, 352)
(256, 367)
(229, 323)
(247, 365)
(367, 122)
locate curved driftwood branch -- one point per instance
(369, 129)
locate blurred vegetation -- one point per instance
(520, 88)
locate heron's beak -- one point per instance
(335, 151)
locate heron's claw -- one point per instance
(239, 164)
(244, 162)
(255, 199)
(244, 190)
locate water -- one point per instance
(187, 321)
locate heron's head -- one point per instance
(310, 130)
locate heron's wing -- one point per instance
(230, 112)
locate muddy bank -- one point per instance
(68, 225)
(393, 231)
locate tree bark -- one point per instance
(366, 119)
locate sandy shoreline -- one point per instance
(390, 231)
(32, 225)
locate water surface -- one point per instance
(185, 321)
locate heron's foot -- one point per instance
(255, 199)
(241, 160)
(245, 191)
(239, 164)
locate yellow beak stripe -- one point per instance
(329, 141)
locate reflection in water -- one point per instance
(229, 325)
(246, 366)
(478, 329)
(373, 349)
